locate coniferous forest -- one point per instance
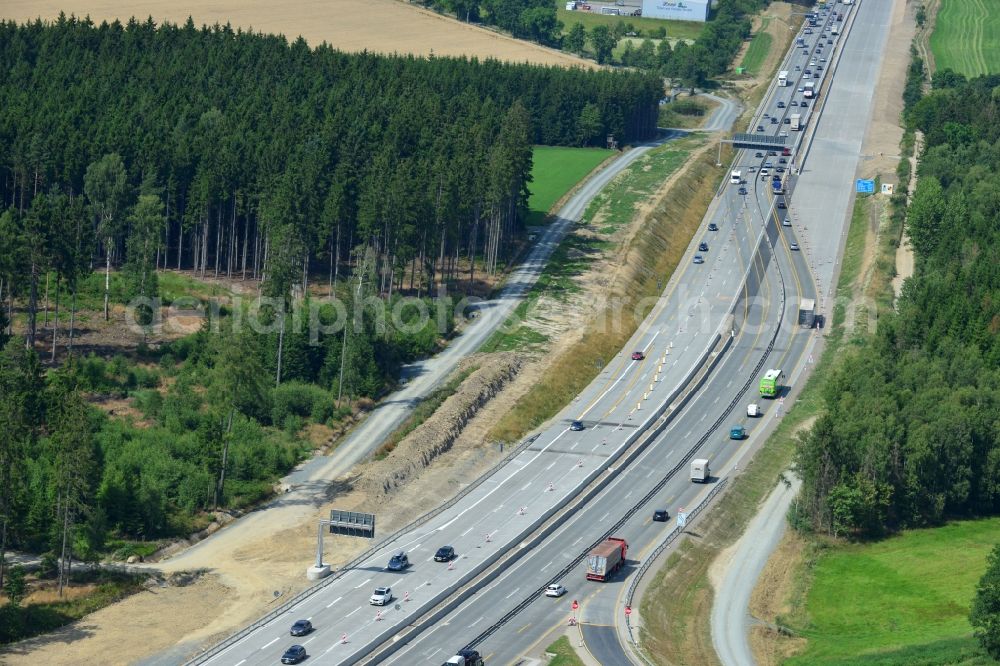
(910, 436)
(130, 150)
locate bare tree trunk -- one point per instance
(72, 320)
(281, 344)
(218, 237)
(331, 272)
(246, 238)
(220, 489)
(63, 569)
(305, 273)
(45, 309)
(180, 243)
(107, 278)
(232, 241)
(336, 255)
(55, 324)
(3, 550)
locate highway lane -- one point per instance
(308, 484)
(821, 208)
(577, 532)
(825, 190)
(507, 506)
(542, 477)
(599, 602)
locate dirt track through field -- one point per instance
(384, 26)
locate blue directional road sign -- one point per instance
(865, 186)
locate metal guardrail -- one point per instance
(308, 592)
(532, 596)
(667, 541)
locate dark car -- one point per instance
(808, 71)
(804, 104)
(774, 121)
(661, 515)
(712, 226)
(638, 356)
(703, 247)
(398, 562)
(301, 627)
(781, 105)
(759, 154)
(760, 128)
(788, 121)
(781, 204)
(294, 655)
(782, 161)
(576, 425)
(743, 190)
(780, 169)
(771, 153)
(444, 554)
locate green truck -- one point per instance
(770, 384)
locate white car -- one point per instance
(381, 596)
(555, 590)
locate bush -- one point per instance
(300, 399)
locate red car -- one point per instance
(638, 356)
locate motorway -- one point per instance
(704, 424)
(751, 272)
(308, 485)
(820, 211)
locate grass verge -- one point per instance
(901, 601)
(564, 653)
(554, 172)
(676, 606)
(757, 52)
(33, 619)
(654, 253)
(966, 37)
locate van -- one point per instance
(612, 11)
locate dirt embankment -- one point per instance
(438, 434)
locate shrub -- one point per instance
(298, 399)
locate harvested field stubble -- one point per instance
(383, 26)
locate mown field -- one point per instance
(554, 172)
(966, 37)
(687, 30)
(757, 52)
(898, 602)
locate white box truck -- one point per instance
(807, 312)
(795, 123)
(699, 470)
(753, 410)
(735, 177)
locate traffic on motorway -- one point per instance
(737, 294)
